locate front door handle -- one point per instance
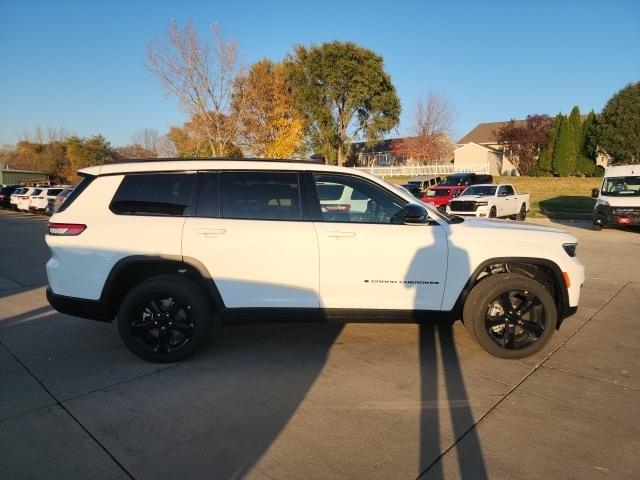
(341, 234)
(211, 232)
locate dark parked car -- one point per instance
(5, 195)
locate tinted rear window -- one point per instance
(261, 195)
(154, 194)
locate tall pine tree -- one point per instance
(559, 127)
(568, 146)
(545, 162)
(586, 163)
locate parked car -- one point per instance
(53, 205)
(413, 189)
(440, 195)
(618, 199)
(5, 195)
(424, 182)
(162, 246)
(493, 201)
(13, 202)
(24, 199)
(40, 201)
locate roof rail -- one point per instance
(217, 159)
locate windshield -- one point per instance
(487, 190)
(621, 187)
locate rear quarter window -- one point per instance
(162, 194)
(81, 187)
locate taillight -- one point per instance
(66, 229)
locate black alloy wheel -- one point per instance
(165, 318)
(515, 319)
(510, 315)
(162, 323)
(492, 212)
(523, 213)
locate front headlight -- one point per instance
(482, 204)
(570, 248)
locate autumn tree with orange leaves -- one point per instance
(271, 125)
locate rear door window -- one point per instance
(260, 195)
(209, 196)
(163, 194)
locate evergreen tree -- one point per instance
(545, 162)
(619, 125)
(559, 126)
(586, 163)
(569, 142)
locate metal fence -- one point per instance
(414, 170)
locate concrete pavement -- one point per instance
(280, 401)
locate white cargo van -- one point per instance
(618, 199)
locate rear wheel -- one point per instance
(522, 214)
(510, 315)
(597, 227)
(164, 319)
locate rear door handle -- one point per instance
(211, 232)
(341, 234)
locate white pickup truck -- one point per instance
(493, 201)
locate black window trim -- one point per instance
(190, 206)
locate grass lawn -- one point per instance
(566, 198)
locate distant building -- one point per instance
(481, 146)
(14, 177)
(381, 154)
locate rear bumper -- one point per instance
(79, 307)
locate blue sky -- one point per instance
(80, 64)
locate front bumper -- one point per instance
(79, 307)
(607, 216)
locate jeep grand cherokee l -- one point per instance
(171, 248)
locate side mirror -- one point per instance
(415, 214)
(595, 192)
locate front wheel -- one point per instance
(164, 319)
(510, 315)
(492, 212)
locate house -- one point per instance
(480, 147)
(364, 154)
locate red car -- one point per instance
(451, 187)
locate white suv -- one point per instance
(172, 247)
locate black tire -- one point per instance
(597, 227)
(492, 212)
(492, 315)
(522, 214)
(165, 318)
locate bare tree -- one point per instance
(149, 139)
(202, 76)
(430, 133)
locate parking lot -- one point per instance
(279, 401)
